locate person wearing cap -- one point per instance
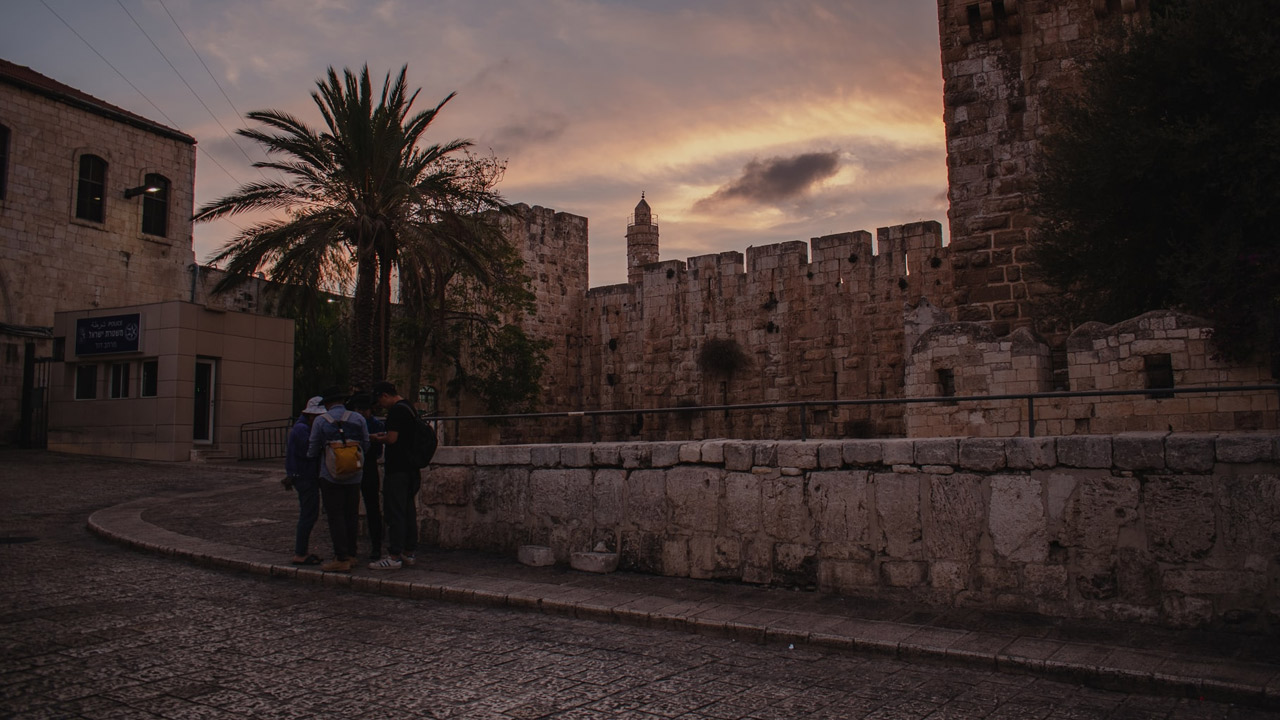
(302, 473)
(341, 496)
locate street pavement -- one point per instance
(191, 610)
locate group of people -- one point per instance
(339, 415)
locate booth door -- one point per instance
(203, 422)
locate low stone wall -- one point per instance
(1180, 530)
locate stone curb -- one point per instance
(1100, 666)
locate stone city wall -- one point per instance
(1179, 530)
(1159, 349)
(814, 320)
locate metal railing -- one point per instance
(806, 405)
(264, 439)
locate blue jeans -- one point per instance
(400, 509)
(308, 512)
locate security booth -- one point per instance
(165, 381)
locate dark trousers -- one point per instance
(400, 506)
(342, 507)
(369, 490)
(308, 512)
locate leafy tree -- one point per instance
(358, 194)
(473, 331)
(1160, 182)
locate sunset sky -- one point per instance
(744, 122)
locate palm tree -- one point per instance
(360, 195)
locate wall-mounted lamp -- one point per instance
(134, 192)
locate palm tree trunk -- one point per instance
(364, 362)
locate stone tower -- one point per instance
(642, 242)
(1001, 61)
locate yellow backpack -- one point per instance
(344, 458)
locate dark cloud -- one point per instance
(775, 179)
(513, 137)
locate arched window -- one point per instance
(4, 160)
(91, 188)
(155, 205)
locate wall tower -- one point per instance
(1001, 61)
(642, 241)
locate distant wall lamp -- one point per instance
(134, 192)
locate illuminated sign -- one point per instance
(110, 334)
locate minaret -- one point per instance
(642, 242)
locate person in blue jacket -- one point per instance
(302, 473)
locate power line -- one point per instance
(168, 119)
(184, 80)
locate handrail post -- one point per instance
(1031, 416)
(804, 421)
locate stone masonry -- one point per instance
(1001, 62)
(1172, 529)
(50, 260)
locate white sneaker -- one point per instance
(408, 559)
(386, 563)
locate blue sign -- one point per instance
(110, 334)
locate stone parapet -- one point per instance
(1177, 530)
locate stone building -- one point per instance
(95, 208)
(95, 225)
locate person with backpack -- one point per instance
(371, 484)
(303, 474)
(339, 440)
(402, 477)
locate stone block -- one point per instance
(1099, 507)
(948, 575)
(575, 456)
(1178, 514)
(1245, 448)
(448, 485)
(863, 452)
(898, 573)
(1031, 453)
(985, 454)
(635, 455)
(675, 556)
(606, 455)
(797, 454)
(693, 494)
(645, 500)
(897, 500)
(1047, 582)
(845, 577)
(545, 456)
(838, 500)
(742, 503)
(830, 455)
(535, 555)
(702, 556)
(1180, 611)
(1249, 515)
(1084, 451)
(594, 562)
(454, 455)
(739, 457)
(898, 452)
(607, 492)
(663, 455)
(1189, 453)
(954, 523)
(1016, 519)
(713, 453)
(691, 453)
(942, 451)
(1138, 451)
(784, 509)
(504, 455)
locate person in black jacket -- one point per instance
(401, 480)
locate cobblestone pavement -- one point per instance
(90, 629)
